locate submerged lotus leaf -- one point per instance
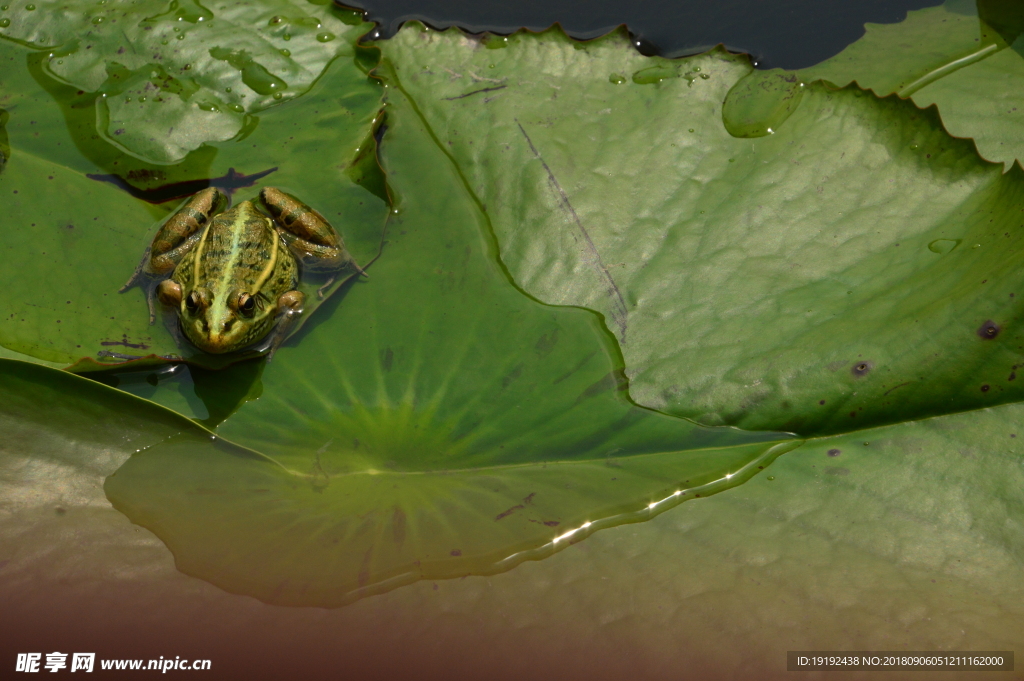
(74, 221)
(781, 282)
(176, 74)
(437, 423)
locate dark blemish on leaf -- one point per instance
(985, 388)
(834, 452)
(853, 414)
(505, 514)
(387, 359)
(988, 330)
(613, 380)
(512, 376)
(476, 92)
(861, 369)
(230, 182)
(552, 523)
(821, 402)
(65, 226)
(60, 510)
(618, 302)
(528, 499)
(895, 387)
(398, 525)
(546, 343)
(124, 342)
(456, 552)
(1012, 376)
(579, 366)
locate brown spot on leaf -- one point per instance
(988, 330)
(861, 369)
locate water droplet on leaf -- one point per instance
(654, 74)
(943, 246)
(617, 78)
(325, 37)
(760, 102)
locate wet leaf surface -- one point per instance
(175, 75)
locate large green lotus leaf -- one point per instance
(914, 537)
(857, 267)
(945, 56)
(436, 423)
(84, 236)
(175, 75)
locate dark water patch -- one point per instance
(789, 34)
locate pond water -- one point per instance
(790, 34)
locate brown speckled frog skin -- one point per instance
(233, 274)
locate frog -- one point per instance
(232, 274)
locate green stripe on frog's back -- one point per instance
(235, 251)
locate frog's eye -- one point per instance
(192, 302)
(246, 303)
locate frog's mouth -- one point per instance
(218, 339)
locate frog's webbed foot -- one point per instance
(147, 281)
(320, 292)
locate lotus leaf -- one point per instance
(857, 267)
(175, 75)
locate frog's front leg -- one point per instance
(176, 237)
(289, 308)
(308, 234)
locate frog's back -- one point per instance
(240, 251)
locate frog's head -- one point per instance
(217, 324)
